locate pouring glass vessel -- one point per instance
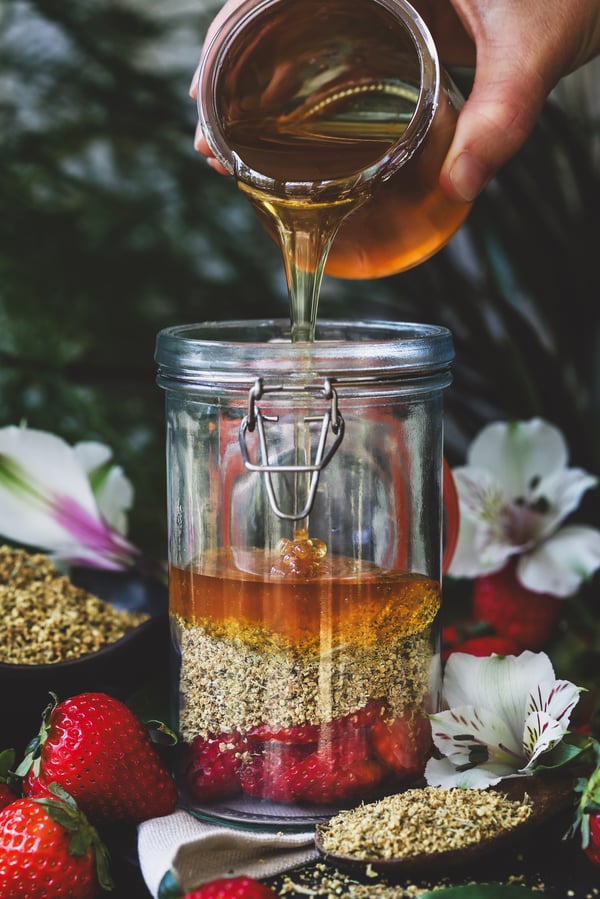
(335, 118)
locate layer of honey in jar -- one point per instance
(299, 590)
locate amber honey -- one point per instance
(386, 226)
(356, 603)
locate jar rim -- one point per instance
(355, 350)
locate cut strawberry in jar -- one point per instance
(267, 774)
(212, 765)
(403, 744)
(336, 773)
(300, 734)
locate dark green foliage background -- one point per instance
(112, 227)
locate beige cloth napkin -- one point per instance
(196, 851)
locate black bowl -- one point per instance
(137, 661)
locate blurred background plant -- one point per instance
(112, 227)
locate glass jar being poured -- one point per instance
(335, 119)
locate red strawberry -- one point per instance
(346, 728)
(514, 611)
(315, 733)
(592, 850)
(48, 848)
(403, 744)
(232, 888)
(100, 753)
(212, 765)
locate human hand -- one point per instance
(520, 51)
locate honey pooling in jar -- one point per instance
(301, 556)
(314, 679)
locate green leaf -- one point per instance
(571, 747)
(34, 748)
(481, 891)
(7, 761)
(161, 734)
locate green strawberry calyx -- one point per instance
(589, 802)
(65, 812)
(33, 750)
(8, 775)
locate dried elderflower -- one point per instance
(427, 820)
(46, 618)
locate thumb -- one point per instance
(494, 123)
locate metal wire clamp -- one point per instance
(331, 420)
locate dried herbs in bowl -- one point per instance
(60, 637)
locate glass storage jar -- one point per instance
(306, 523)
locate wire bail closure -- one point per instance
(331, 420)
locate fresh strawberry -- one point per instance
(322, 763)
(212, 765)
(403, 744)
(8, 786)
(592, 850)
(48, 848)
(100, 753)
(232, 888)
(346, 727)
(336, 729)
(515, 612)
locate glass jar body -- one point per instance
(305, 554)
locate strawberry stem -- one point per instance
(65, 812)
(33, 750)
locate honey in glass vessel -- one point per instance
(305, 539)
(335, 119)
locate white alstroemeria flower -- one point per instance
(514, 494)
(67, 501)
(503, 713)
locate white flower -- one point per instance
(68, 501)
(503, 713)
(514, 494)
